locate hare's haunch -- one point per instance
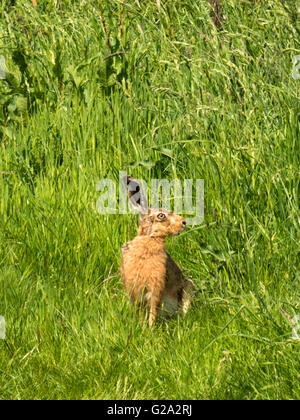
(150, 276)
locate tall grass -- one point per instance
(157, 89)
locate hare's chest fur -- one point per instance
(149, 271)
(143, 264)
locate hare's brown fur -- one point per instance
(150, 276)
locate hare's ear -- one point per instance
(136, 194)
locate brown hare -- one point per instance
(150, 276)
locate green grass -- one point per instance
(93, 88)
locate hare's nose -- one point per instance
(184, 223)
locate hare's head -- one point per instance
(153, 222)
(161, 223)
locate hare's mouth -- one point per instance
(177, 233)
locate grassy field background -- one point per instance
(162, 89)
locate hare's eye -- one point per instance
(161, 216)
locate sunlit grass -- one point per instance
(93, 88)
